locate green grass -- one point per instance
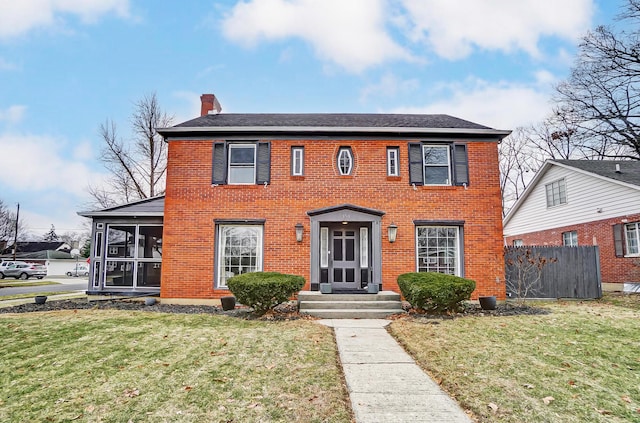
(579, 364)
(115, 366)
(18, 283)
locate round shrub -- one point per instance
(435, 291)
(263, 291)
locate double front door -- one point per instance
(347, 252)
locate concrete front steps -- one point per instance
(350, 306)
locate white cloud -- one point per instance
(13, 114)
(453, 29)
(350, 33)
(35, 163)
(17, 17)
(500, 105)
(389, 86)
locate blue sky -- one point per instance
(68, 65)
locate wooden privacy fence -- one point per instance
(569, 272)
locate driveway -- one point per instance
(65, 284)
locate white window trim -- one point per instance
(364, 248)
(425, 165)
(297, 159)
(347, 151)
(569, 235)
(546, 195)
(229, 166)
(324, 247)
(392, 162)
(220, 246)
(626, 238)
(458, 257)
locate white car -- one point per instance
(80, 269)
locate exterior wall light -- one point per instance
(299, 232)
(393, 231)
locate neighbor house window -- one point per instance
(239, 251)
(518, 243)
(345, 161)
(438, 249)
(134, 256)
(570, 239)
(556, 193)
(297, 161)
(438, 164)
(393, 169)
(242, 163)
(632, 235)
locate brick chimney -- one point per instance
(210, 105)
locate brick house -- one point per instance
(584, 202)
(350, 200)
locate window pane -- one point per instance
(241, 155)
(97, 252)
(324, 247)
(632, 232)
(119, 273)
(345, 161)
(150, 242)
(120, 241)
(436, 155)
(436, 175)
(241, 175)
(442, 253)
(337, 249)
(149, 274)
(96, 274)
(239, 251)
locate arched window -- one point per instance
(345, 160)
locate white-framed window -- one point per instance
(632, 235)
(570, 239)
(556, 193)
(324, 247)
(242, 164)
(438, 249)
(518, 243)
(364, 248)
(345, 161)
(437, 165)
(134, 256)
(297, 161)
(393, 168)
(239, 251)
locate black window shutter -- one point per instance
(416, 168)
(460, 164)
(263, 163)
(219, 172)
(618, 240)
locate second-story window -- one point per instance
(345, 161)
(556, 193)
(297, 161)
(392, 162)
(242, 163)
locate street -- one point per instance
(64, 284)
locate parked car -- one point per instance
(79, 269)
(5, 264)
(23, 270)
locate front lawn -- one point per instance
(581, 363)
(119, 366)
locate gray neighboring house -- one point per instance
(126, 248)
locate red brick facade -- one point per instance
(192, 205)
(614, 269)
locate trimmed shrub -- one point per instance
(262, 291)
(435, 291)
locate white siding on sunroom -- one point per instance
(585, 195)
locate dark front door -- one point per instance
(344, 270)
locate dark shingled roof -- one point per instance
(329, 120)
(147, 206)
(629, 169)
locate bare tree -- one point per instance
(8, 225)
(137, 167)
(603, 90)
(518, 163)
(525, 271)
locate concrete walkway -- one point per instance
(385, 384)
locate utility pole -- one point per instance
(15, 235)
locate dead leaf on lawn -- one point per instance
(548, 400)
(254, 405)
(188, 388)
(131, 393)
(528, 386)
(493, 407)
(60, 400)
(602, 411)
(626, 399)
(270, 366)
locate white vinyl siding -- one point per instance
(592, 199)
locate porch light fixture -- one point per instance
(299, 232)
(393, 231)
